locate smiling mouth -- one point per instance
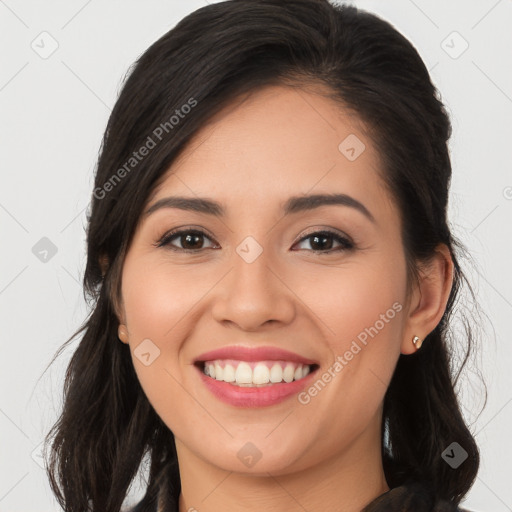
(255, 373)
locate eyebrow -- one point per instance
(292, 205)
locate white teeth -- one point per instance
(288, 373)
(229, 373)
(261, 374)
(276, 373)
(242, 374)
(219, 372)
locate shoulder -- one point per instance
(411, 497)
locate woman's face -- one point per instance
(264, 276)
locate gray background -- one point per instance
(54, 108)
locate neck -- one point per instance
(345, 482)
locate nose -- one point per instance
(254, 295)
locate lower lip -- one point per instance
(263, 396)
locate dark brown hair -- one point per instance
(212, 56)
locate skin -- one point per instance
(324, 455)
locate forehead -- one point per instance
(276, 142)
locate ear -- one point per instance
(122, 333)
(429, 298)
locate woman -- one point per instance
(272, 276)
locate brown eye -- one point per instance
(322, 241)
(188, 240)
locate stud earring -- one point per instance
(122, 333)
(417, 342)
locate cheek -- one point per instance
(157, 297)
(361, 310)
(161, 304)
(152, 308)
(357, 300)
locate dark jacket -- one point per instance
(410, 498)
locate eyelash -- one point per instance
(346, 244)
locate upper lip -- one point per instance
(242, 353)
